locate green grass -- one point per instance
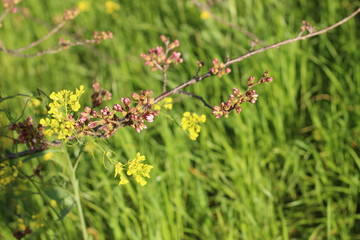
(287, 167)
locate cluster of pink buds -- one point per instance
(219, 68)
(237, 98)
(30, 135)
(71, 14)
(135, 111)
(306, 26)
(160, 59)
(99, 36)
(10, 4)
(141, 112)
(99, 95)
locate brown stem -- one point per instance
(247, 55)
(164, 81)
(298, 38)
(52, 32)
(196, 96)
(51, 50)
(3, 15)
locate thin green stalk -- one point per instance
(75, 184)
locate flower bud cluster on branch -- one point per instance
(63, 44)
(64, 123)
(237, 98)
(29, 134)
(160, 59)
(132, 112)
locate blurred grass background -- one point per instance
(287, 167)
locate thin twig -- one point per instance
(51, 50)
(164, 81)
(3, 15)
(298, 38)
(20, 154)
(52, 32)
(247, 55)
(196, 96)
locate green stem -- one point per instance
(75, 184)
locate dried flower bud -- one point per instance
(118, 108)
(71, 14)
(269, 79)
(126, 101)
(251, 80)
(164, 39)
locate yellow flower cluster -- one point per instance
(135, 168)
(205, 15)
(38, 221)
(8, 173)
(21, 224)
(64, 103)
(190, 122)
(83, 6)
(166, 103)
(111, 7)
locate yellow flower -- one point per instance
(53, 203)
(35, 102)
(8, 173)
(138, 169)
(119, 167)
(135, 168)
(166, 103)
(38, 221)
(83, 6)
(190, 122)
(21, 225)
(48, 156)
(205, 15)
(111, 7)
(64, 102)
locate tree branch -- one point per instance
(249, 54)
(193, 80)
(298, 38)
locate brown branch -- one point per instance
(298, 38)
(197, 97)
(51, 50)
(249, 54)
(3, 15)
(164, 81)
(37, 42)
(20, 154)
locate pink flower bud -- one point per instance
(268, 79)
(87, 110)
(135, 96)
(159, 50)
(96, 87)
(126, 101)
(236, 91)
(149, 117)
(163, 39)
(117, 107)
